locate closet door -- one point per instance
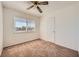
(51, 29)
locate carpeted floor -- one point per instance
(38, 48)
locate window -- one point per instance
(31, 26)
(24, 25)
(20, 24)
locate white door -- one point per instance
(51, 29)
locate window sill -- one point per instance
(24, 32)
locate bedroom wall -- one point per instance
(77, 25)
(10, 36)
(1, 28)
(66, 26)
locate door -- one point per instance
(51, 29)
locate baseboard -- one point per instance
(66, 47)
(22, 43)
(63, 47)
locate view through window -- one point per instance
(22, 25)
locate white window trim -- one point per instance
(26, 31)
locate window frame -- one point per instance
(15, 24)
(26, 25)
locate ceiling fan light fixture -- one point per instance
(36, 3)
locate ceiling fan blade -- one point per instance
(39, 9)
(30, 7)
(43, 3)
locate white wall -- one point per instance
(11, 37)
(66, 32)
(1, 28)
(66, 27)
(77, 26)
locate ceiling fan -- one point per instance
(36, 4)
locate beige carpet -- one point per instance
(37, 48)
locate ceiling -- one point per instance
(23, 5)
